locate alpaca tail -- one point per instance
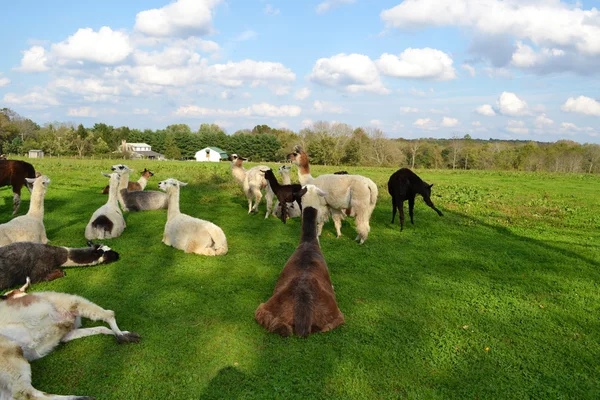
(220, 241)
(374, 192)
(103, 223)
(303, 308)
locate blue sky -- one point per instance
(418, 68)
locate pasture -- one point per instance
(499, 298)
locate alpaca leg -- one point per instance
(55, 274)
(338, 217)
(430, 204)
(257, 198)
(16, 202)
(411, 207)
(362, 224)
(401, 207)
(270, 196)
(393, 209)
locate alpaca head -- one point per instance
(15, 294)
(298, 156)
(102, 253)
(40, 182)
(237, 160)
(284, 169)
(113, 177)
(146, 173)
(121, 169)
(268, 173)
(312, 196)
(170, 184)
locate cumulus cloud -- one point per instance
(325, 107)
(34, 60)
(91, 89)
(352, 72)
(37, 99)
(327, 5)
(4, 81)
(543, 121)
(409, 110)
(424, 63)
(86, 112)
(582, 105)
(476, 124)
(469, 68)
(302, 94)
(449, 122)
(426, 124)
(517, 127)
(255, 110)
(307, 122)
(510, 104)
(182, 18)
(103, 47)
(486, 110)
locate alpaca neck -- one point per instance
(113, 190)
(304, 175)
(173, 203)
(80, 257)
(143, 181)
(36, 205)
(285, 178)
(309, 225)
(273, 182)
(238, 172)
(122, 185)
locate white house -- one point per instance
(212, 154)
(36, 154)
(141, 150)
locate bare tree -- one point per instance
(414, 147)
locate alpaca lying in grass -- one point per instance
(303, 301)
(13, 173)
(135, 186)
(42, 262)
(32, 325)
(28, 227)
(252, 182)
(285, 193)
(107, 222)
(352, 195)
(140, 200)
(189, 234)
(405, 184)
(292, 208)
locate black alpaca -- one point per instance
(285, 193)
(405, 184)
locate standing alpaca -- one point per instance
(405, 184)
(293, 208)
(189, 234)
(107, 222)
(32, 325)
(28, 227)
(303, 301)
(252, 182)
(42, 262)
(140, 200)
(285, 193)
(346, 194)
(135, 186)
(13, 173)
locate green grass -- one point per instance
(497, 299)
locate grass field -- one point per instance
(499, 298)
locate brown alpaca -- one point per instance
(13, 173)
(303, 301)
(136, 186)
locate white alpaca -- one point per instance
(292, 209)
(252, 182)
(107, 222)
(28, 227)
(189, 234)
(32, 325)
(352, 195)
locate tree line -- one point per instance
(327, 143)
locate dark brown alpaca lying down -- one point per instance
(303, 301)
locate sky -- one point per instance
(526, 69)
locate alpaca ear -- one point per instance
(30, 180)
(321, 192)
(105, 174)
(430, 186)
(182, 183)
(302, 191)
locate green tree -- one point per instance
(171, 150)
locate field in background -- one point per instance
(497, 299)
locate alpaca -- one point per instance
(292, 208)
(107, 222)
(352, 195)
(285, 193)
(140, 200)
(32, 325)
(42, 262)
(189, 234)
(135, 186)
(405, 184)
(28, 227)
(13, 173)
(252, 182)
(303, 301)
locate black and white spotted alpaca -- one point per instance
(42, 262)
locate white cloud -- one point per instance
(426, 124)
(82, 112)
(424, 63)
(246, 35)
(141, 111)
(545, 23)
(37, 99)
(449, 122)
(329, 4)
(270, 10)
(376, 122)
(34, 60)
(582, 105)
(470, 70)
(517, 127)
(542, 121)
(498, 73)
(325, 107)
(91, 89)
(510, 104)
(258, 110)
(103, 47)
(280, 90)
(353, 72)
(4, 81)
(223, 123)
(302, 94)
(409, 110)
(486, 110)
(476, 124)
(226, 95)
(182, 18)
(177, 53)
(307, 122)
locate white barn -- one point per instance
(211, 154)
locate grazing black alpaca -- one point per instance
(285, 193)
(405, 184)
(341, 173)
(13, 173)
